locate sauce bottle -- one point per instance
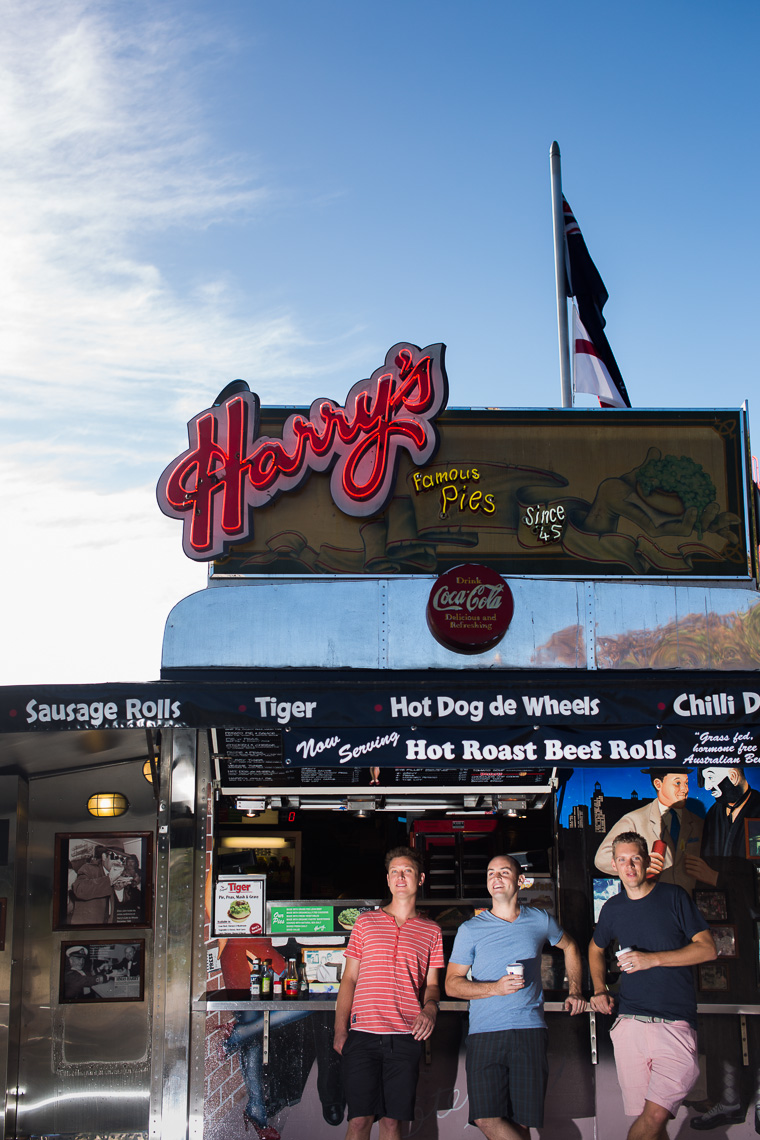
(291, 981)
(256, 980)
(267, 980)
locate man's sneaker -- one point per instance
(718, 1116)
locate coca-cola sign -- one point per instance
(470, 608)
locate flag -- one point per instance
(590, 373)
(587, 287)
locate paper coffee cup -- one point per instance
(516, 968)
(620, 953)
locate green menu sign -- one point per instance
(301, 919)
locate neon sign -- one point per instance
(229, 470)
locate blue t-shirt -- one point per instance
(665, 919)
(489, 944)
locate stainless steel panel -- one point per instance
(178, 1057)
(367, 623)
(676, 627)
(380, 624)
(292, 623)
(82, 1069)
(14, 797)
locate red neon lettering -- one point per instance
(229, 470)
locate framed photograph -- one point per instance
(713, 977)
(103, 879)
(102, 971)
(711, 905)
(604, 889)
(752, 838)
(725, 941)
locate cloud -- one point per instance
(101, 354)
(105, 354)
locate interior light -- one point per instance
(107, 804)
(238, 842)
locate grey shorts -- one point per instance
(507, 1073)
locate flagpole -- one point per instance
(558, 216)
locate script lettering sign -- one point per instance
(229, 470)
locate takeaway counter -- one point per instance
(304, 874)
(308, 860)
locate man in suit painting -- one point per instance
(666, 818)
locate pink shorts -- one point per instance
(655, 1061)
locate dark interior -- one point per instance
(342, 854)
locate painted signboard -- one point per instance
(390, 482)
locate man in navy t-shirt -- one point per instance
(655, 1033)
(506, 1047)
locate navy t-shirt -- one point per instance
(665, 919)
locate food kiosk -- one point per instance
(468, 630)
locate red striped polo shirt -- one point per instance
(395, 961)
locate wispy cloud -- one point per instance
(100, 149)
(102, 356)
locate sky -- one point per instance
(280, 190)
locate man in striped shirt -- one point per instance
(387, 1003)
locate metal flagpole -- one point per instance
(558, 215)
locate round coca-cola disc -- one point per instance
(470, 608)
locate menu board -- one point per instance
(301, 919)
(315, 918)
(239, 903)
(253, 758)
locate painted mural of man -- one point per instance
(666, 817)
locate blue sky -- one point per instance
(280, 191)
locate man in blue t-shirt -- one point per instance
(654, 1036)
(506, 1047)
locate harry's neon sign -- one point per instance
(229, 470)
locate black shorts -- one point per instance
(380, 1073)
(507, 1073)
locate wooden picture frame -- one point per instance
(103, 971)
(725, 940)
(752, 839)
(713, 977)
(103, 880)
(712, 905)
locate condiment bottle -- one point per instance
(256, 980)
(291, 981)
(266, 980)
(303, 985)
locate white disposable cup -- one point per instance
(620, 953)
(516, 968)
